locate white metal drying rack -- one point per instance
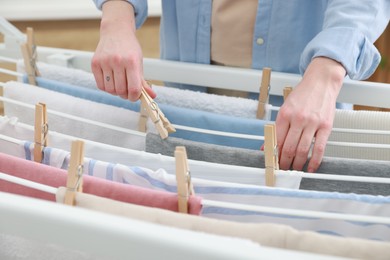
(355, 92)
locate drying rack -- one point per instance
(357, 92)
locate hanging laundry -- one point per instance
(369, 120)
(57, 177)
(246, 157)
(260, 196)
(59, 102)
(60, 73)
(211, 171)
(178, 116)
(266, 234)
(224, 105)
(103, 236)
(143, 176)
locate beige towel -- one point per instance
(266, 234)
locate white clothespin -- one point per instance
(270, 154)
(29, 53)
(286, 91)
(150, 107)
(264, 92)
(74, 181)
(41, 131)
(183, 178)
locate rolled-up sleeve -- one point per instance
(140, 9)
(348, 35)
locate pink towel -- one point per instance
(54, 177)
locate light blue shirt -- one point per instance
(293, 32)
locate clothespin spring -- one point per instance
(33, 59)
(45, 132)
(153, 106)
(75, 172)
(80, 170)
(189, 185)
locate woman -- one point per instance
(324, 40)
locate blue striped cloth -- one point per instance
(250, 195)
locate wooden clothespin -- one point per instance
(41, 131)
(74, 181)
(151, 108)
(264, 92)
(270, 154)
(143, 117)
(183, 178)
(286, 91)
(29, 52)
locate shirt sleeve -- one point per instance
(349, 31)
(140, 9)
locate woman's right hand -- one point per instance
(117, 63)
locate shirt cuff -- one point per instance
(140, 9)
(348, 46)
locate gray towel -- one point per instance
(252, 158)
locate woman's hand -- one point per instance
(117, 62)
(307, 115)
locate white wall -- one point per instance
(27, 10)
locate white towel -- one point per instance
(78, 107)
(374, 120)
(225, 105)
(70, 75)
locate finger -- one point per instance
(97, 73)
(322, 136)
(303, 148)
(133, 76)
(282, 126)
(133, 84)
(289, 148)
(120, 82)
(148, 87)
(109, 82)
(282, 129)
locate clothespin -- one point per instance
(41, 131)
(74, 181)
(286, 91)
(151, 108)
(29, 52)
(264, 92)
(183, 178)
(143, 117)
(270, 154)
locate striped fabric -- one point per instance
(369, 120)
(10, 127)
(252, 195)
